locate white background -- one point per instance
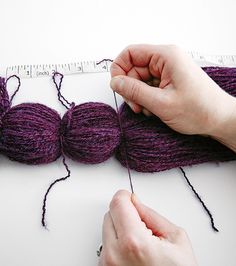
(49, 31)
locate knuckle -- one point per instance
(114, 69)
(130, 47)
(174, 48)
(154, 65)
(132, 246)
(175, 52)
(134, 91)
(179, 233)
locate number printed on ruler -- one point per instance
(44, 70)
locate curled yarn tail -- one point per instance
(104, 60)
(58, 84)
(202, 202)
(17, 88)
(44, 207)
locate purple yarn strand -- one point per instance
(58, 87)
(44, 207)
(201, 201)
(18, 86)
(125, 147)
(104, 60)
(91, 133)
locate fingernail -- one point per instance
(116, 83)
(130, 105)
(146, 112)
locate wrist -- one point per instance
(224, 128)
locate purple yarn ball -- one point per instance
(152, 146)
(30, 134)
(90, 132)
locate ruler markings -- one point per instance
(44, 70)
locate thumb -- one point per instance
(136, 91)
(159, 225)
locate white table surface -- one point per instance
(49, 31)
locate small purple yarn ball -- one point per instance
(90, 132)
(30, 133)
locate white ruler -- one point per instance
(44, 70)
(214, 60)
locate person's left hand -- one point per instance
(135, 235)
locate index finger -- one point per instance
(125, 217)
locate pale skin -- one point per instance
(162, 80)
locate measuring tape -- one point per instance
(44, 70)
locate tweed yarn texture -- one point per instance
(33, 133)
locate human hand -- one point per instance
(135, 235)
(165, 81)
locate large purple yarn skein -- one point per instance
(152, 146)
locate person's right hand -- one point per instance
(165, 81)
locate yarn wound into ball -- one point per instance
(33, 133)
(30, 133)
